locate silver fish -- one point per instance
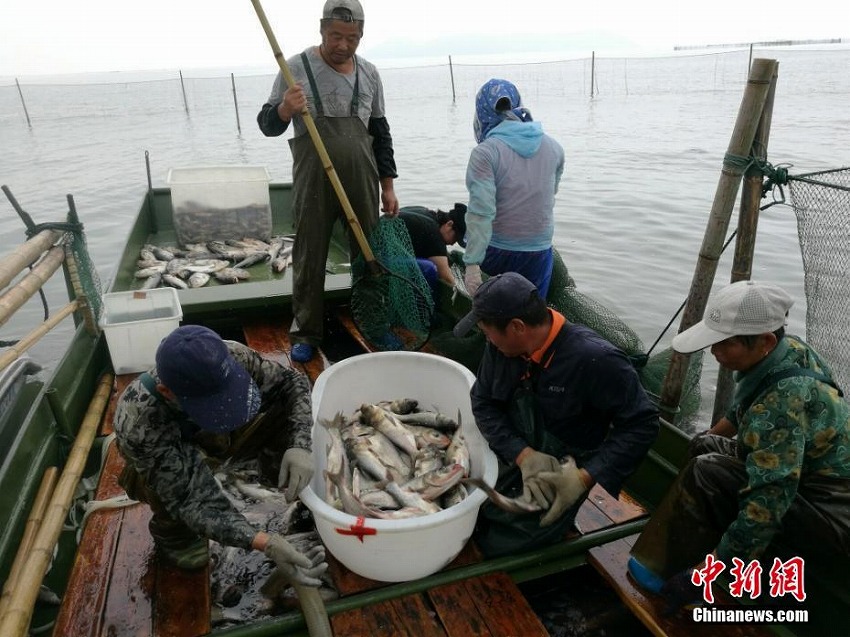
(458, 452)
(152, 281)
(198, 279)
(175, 281)
(512, 505)
(400, 405)
(144, 273)
(386, 423)
(251, 259)
(208, 266)
(408, 498)
(231, 275)
(455, 495)
(435, 483)
(429, 419)
(428, 437)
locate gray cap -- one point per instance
(353, 6)
(744, 308)
(506, 295)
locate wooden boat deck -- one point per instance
(119, 587)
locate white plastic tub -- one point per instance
(396, 550)
(134, 324)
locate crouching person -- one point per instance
(209, 397)
(771, 479)
(547, 389)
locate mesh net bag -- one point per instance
(393, 309)
(821, 203)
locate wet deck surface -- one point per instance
(119, 587)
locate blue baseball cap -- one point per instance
(214, 390)
(506, 295)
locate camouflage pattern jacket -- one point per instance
(799, 429)
(154, 436)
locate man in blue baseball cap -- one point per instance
(548, 389)
(210, 397)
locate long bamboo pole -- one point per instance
(13, 263)
(749, 114)
(318, 143)
(745, 243)
(14, 351)
(19, 611)
(42, 497)
(17, 295)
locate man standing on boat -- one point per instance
(512, 178)
(769, 480)
(345, 98)
(212, 398)
(547, 389)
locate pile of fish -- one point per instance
(391, 460)
(225, 261)
(240, 583)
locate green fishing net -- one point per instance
(391, 305)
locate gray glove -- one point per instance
(296, 470)
(567, 485)
(532, 464)
(296, 566)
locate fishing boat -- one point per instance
(56, 445)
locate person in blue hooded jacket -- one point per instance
(512, 178)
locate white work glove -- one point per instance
(567, 485)
(297, 567)
(532, 464)
(472, 278)
(296, 471)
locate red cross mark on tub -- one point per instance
(358, 529)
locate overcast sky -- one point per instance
(61, 36)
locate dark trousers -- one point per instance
(703, 502)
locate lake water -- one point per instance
(643, 155)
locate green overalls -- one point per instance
(316, 206)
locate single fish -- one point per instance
(175, 281)
(428, 437)
(198, 279)
(455, 495)
(435, 483)
(458, 452)
(207, 266)
(231, 275)
(145, 273)
(511, 505)
(410, 499)
(386, 423)
(429, 419)
(251, 259)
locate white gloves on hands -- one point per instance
(567, 485)
(472, 279)
(296, 566)
(296, 470)
(531, 465)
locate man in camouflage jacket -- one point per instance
(209, 397)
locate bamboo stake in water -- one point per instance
(749, 114)
(235, 103)
(183, 88)
(23, 103)
(745, 243)
(452, 74)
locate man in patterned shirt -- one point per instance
(212, 398)
(771, 478)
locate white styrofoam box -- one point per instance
(134, 324)
(220, 202)
(398, 550)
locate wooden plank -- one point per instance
(89, 579)
(457, 611)
(118, 386)
(503, 606)
(271, 339)
(351, 622)
(418, 618)
(382, 619)
(611, 560)
(128, 608)
(182, 606)
(619, 510)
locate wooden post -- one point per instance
(750, 61)
(749, 115)
(745, 243)
(592, 71)
(235, 103)
(183, 88)
(452, 74)
(23, 103)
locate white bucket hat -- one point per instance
(740, 309)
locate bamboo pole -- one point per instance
(235, 102)
(745, 243)
(19, 611)
(14, 352)
(14, 263)
(42, 497)
(183, 88)
(749, 114)
(23, 103)
(452, 75)
(592, 71)
(365, 248)
(17, 295)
